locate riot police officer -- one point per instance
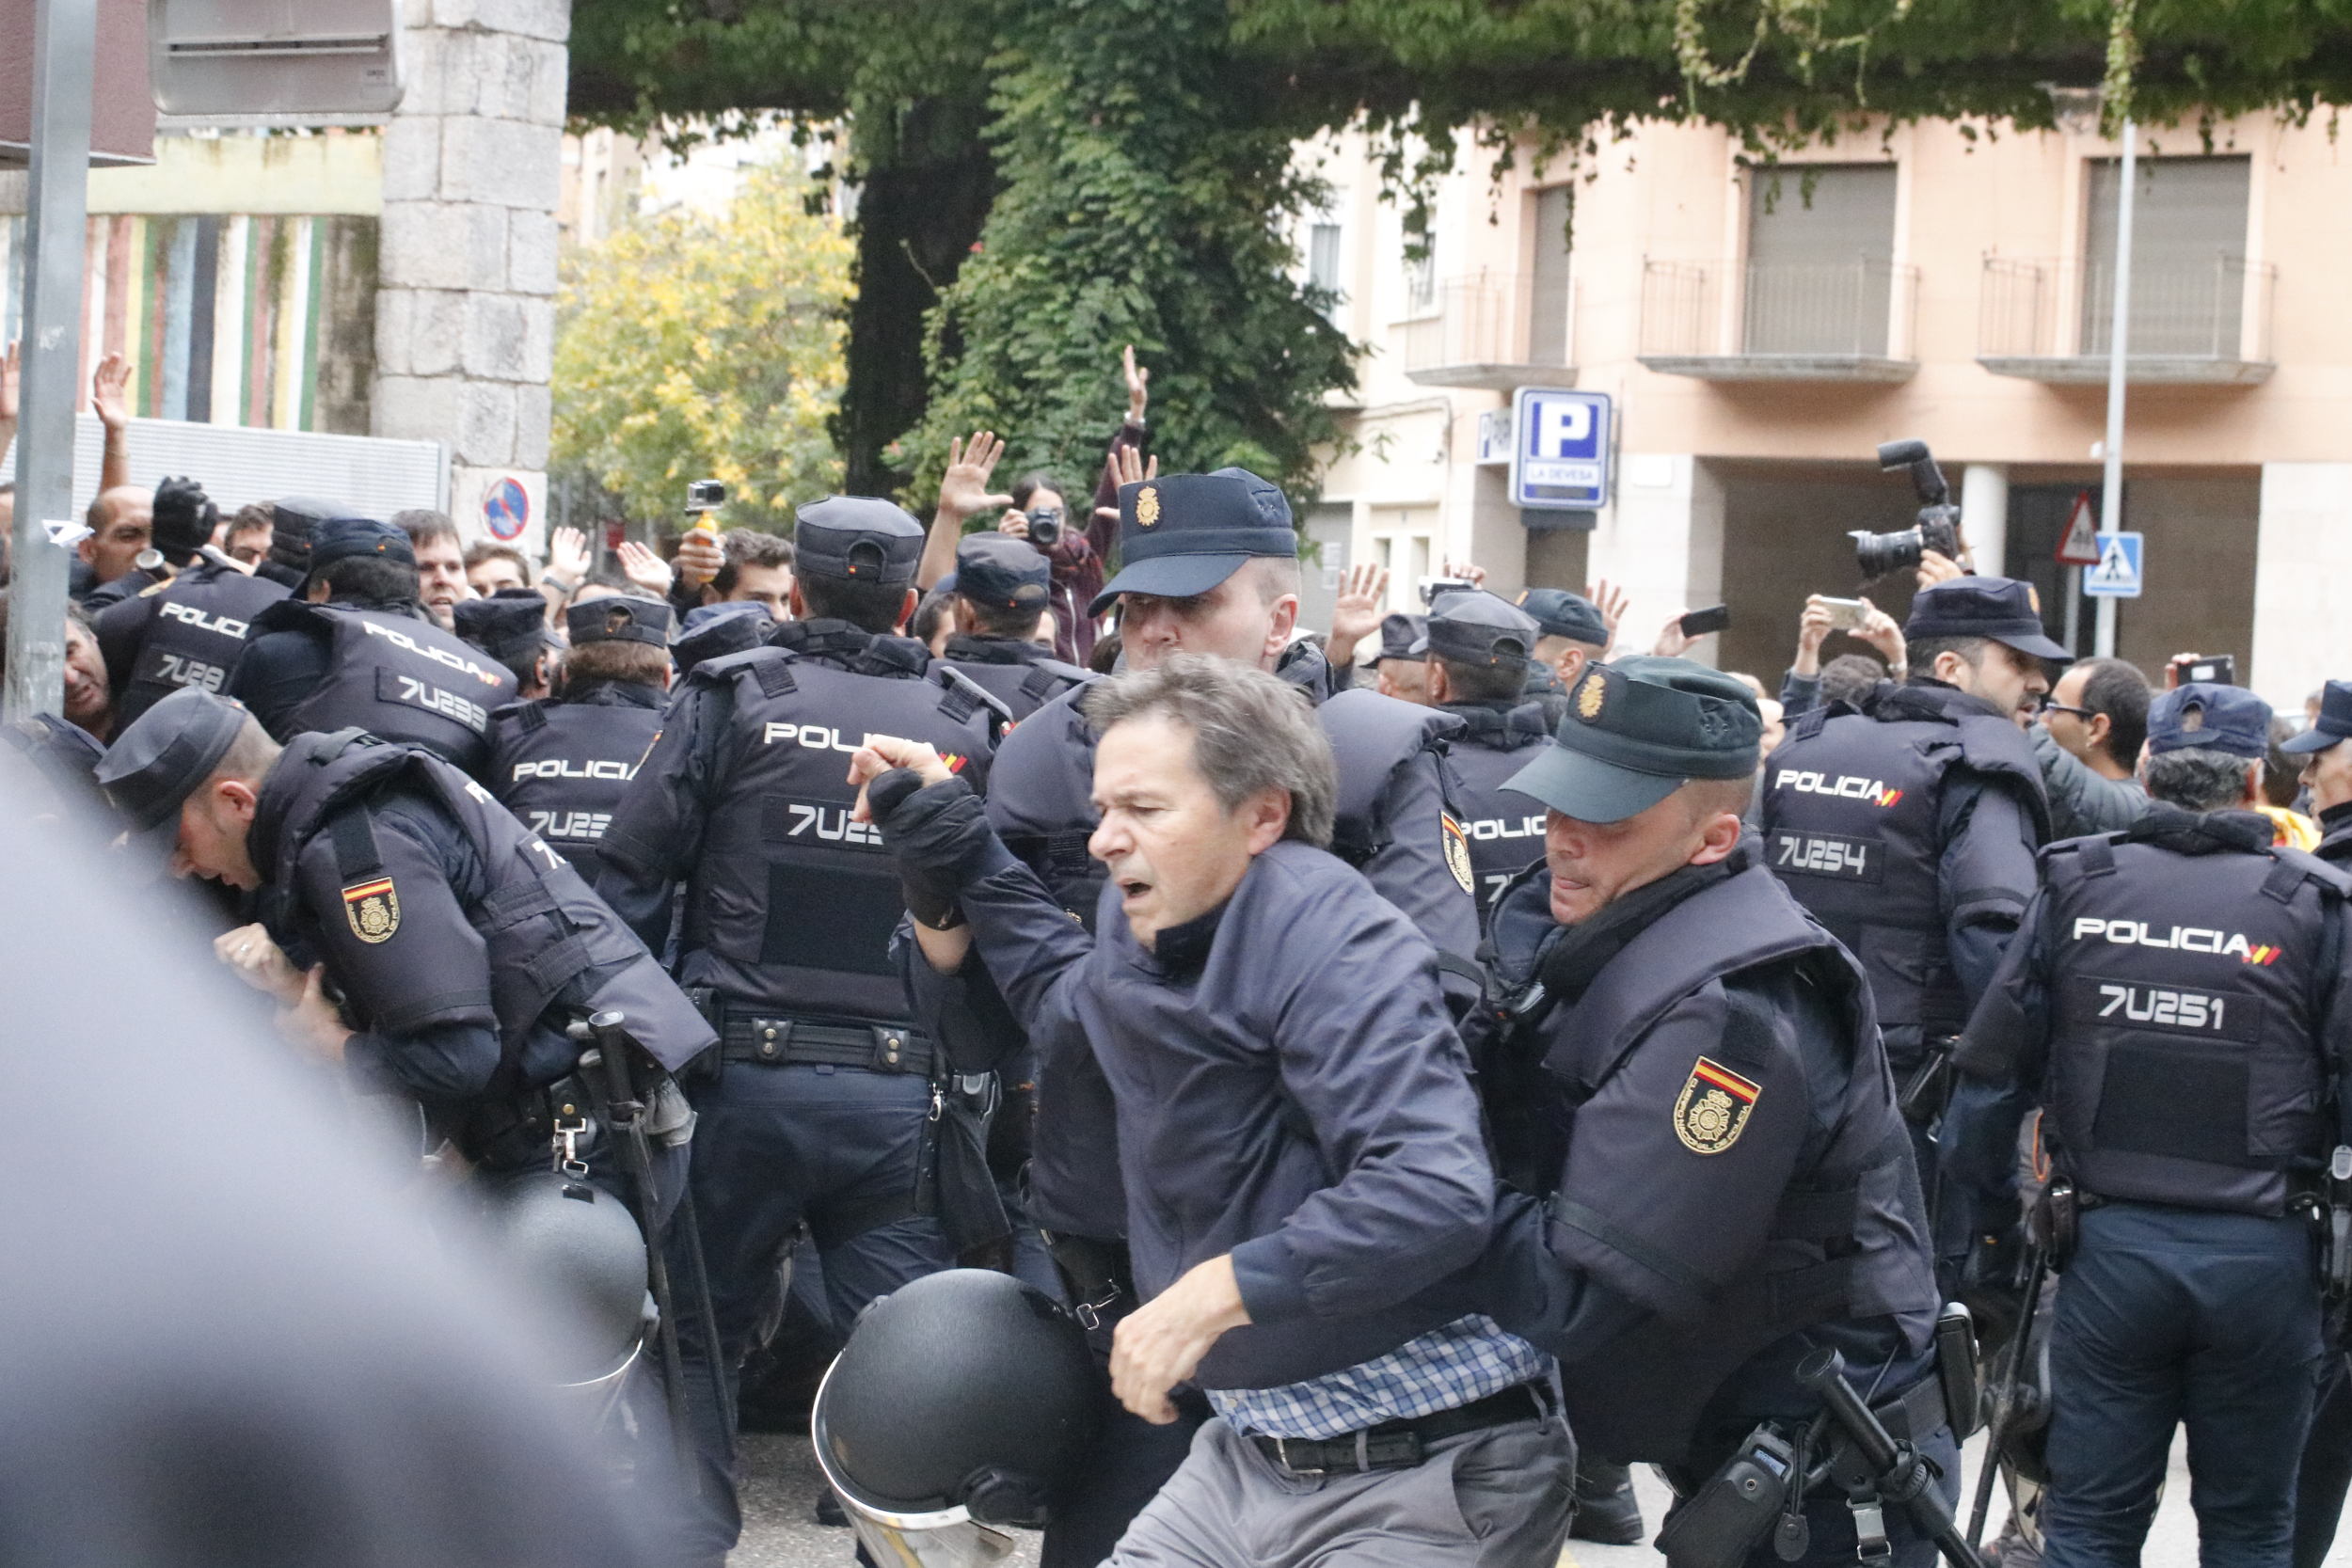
(1001, 586)
(1908, 826)
(1209, 566)
(189, 622)
(715, 630)
(1397, 667)
(2173, 1004)
(827, 1101)
(358, 650)
(511, 626)
(1478, 649)
(1686, 1070)
(561, 764)
(1573, 632)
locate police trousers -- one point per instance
(2168, 1316)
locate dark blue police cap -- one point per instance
(1638, 730)
(2210, 717)
(857, 538)
(1478, 627)
(2001, 608)
(334, 539)
(714, 630)
(1182, 534)
(1561, 613)
(2333, 724)
(1002, 572)
(510, 626)
(1400, 635)
(158, 762)
(621, 618)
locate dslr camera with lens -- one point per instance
(1045, 525)
(1937, 530)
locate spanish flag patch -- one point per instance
(1713, 1109)
(373, 910)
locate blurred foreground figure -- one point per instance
(224, 1343)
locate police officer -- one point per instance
(411, 931)
(187, 623)
(1572, 631)
(1001, 586)
(560, 764)
(1397, 667)
(715, 630)
(1209, 566)
(356, 650)
(2172, 1003)
(511, 626)
(1909, 827)
(1687, 1071)
(1478, 649)
(825, 1105)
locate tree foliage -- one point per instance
(691, 347)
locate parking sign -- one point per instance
(1560, 449)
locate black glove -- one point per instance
(938, 835)
(184, 519)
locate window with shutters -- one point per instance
(1821, 263)
(2189, 255)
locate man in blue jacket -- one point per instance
(1300, 1147)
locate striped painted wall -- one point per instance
(267, 320)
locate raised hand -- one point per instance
(1139, 386)
(644, 568)
(106, 391)
(963, 488)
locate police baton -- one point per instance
(2008, 1393)
(1901, 1473)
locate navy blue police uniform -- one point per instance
(560, 764)
(1689, 1080)
(826, 1105)
(1477, 631)
(384, 668)
(511, 626)
(186, 619)
(1181, 535)
(1007, 577)
(1908, 826)
(2172, 1003)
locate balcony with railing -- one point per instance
(2193, 321)
(1779, 321)
(1490, 330)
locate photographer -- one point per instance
(1805, 688)
(2088, 744)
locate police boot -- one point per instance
(1606, 1511)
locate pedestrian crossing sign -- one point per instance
(2118, 573)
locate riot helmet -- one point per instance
(579, 1249)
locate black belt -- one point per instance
(1911, 1415)
(1401, 1445)
(765, 1040)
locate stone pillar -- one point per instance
(1984, 516)
(464, 317)
(2302, 558)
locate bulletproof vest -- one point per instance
(1506, 831)
(792, 904)
(1372, 736)
(398, 677)
(1852, 817)
(2186, 997)
(1017, 674)
(556, 950)
(202, 621)
(561, 766)
(1847, 1240)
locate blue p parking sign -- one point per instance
(1560, 449)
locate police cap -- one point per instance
(335, 539)
(510, 626)
(1561, 613)
(158, 762)
(1002, 572)
(1637, 731)
(1478, 627)
(621, 618)
(293, 520)
(2211, 719)
(2333, 724)
(714, 630)
(1182, 534)
(1401, 635)
(857, 538)
(2000, 609)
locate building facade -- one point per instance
(1761, 328)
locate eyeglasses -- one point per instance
(2082, 713)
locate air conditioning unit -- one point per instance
(275, 61)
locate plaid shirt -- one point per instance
(1447, 1368)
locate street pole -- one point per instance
(2119, 334)
(65, 34)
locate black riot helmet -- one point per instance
(579, 1250)
(963, 1394)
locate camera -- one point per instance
(1937, 530)
(705, 495)
(1045, 525)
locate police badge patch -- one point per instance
(373, 909)
(1146, 507)
(1713, 1108)
(1457, 855)
(1592, 696)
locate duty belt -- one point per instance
(1401, 1445)
(768, 1040)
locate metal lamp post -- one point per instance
(2078, 111)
